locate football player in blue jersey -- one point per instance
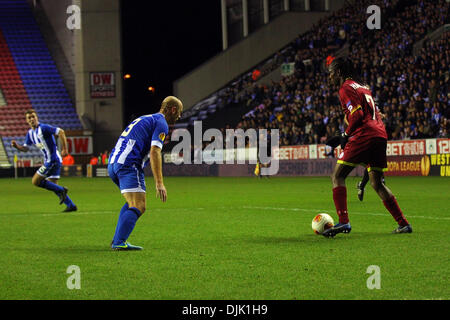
(47, 176)
(139, 144)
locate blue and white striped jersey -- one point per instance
(44, 138)
(134, 144)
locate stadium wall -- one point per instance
(239, 58)
(98, 71)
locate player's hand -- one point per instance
(64, 152)
(14, 144)
(161, 192)
(343, 140)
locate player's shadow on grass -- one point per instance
(70, 250)
(315, 239)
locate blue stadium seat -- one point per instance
(33, 60)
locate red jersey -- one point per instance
(364, 119)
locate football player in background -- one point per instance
(268, 151)
(364, 142)
(47, 176)
(142, 138)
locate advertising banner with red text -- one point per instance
(426, 165)
(292, 153)
(443, 146)
(394, 148)
(408, 166)
(80, 145)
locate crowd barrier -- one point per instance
(427, 157)
(287, 168)
(422, 157)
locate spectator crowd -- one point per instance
(409, 86)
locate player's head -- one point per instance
(341, 69)
(32, 118)
(171, 107)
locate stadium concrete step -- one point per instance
(2, 99)
(4, 160)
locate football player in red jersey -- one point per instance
(363, 143)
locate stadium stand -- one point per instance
(411, 90)
(306, 110)
(28, 77)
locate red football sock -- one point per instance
(340, 202)
(393, 208)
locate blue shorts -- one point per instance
(128, 179)
(51, 170)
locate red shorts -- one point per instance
(369, 153)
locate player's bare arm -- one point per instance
(63, 140)
(156, 164)
(14, 144)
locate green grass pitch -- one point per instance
(224, 239)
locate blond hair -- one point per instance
(171, 101)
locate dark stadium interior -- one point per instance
(157, 40)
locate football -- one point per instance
(322, 222)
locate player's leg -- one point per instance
(40, 180)
(132, 185)
(37, 180)
(129, 214)
(376, 181)
(70, 206)
(389, 201)
(362, 185)
(338, 177)
(53, 176)
(114, 177)
(377, 164)
(340, 173)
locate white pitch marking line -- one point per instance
(244, 207)
(352, 212)
(78, 213)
